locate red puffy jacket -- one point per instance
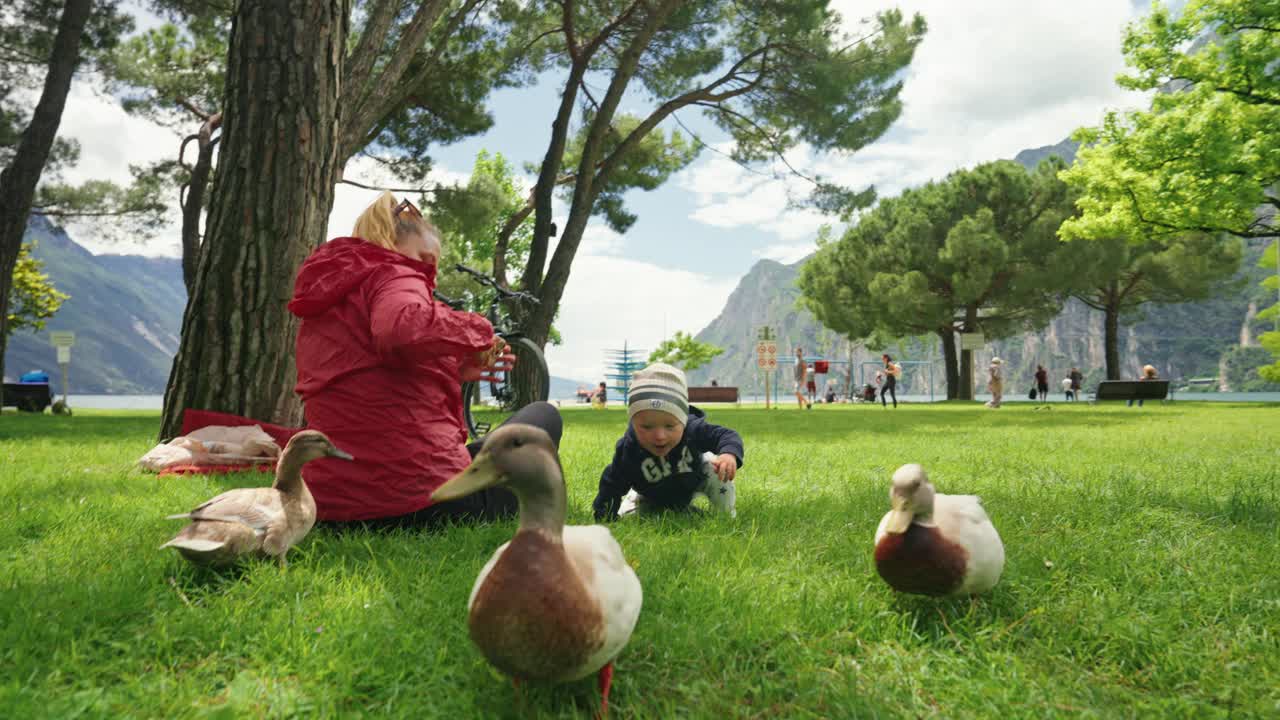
(378, 360)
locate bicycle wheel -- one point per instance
(490, 405)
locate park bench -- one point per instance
(713, 394)
(1131, 390)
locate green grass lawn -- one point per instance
(1143, 579)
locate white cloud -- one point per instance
(611, 300)
(90, 117)
(989, 79)
(786, 254)
(110, 140)
(349, 201)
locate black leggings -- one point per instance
(496, 503)
(891, 387)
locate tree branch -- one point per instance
(1266, 232)
(359, 65)
(380, 95)
(423, 190)
(191, 108)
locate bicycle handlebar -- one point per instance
(490, 282)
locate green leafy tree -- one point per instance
(975, 252)
(389, 80)
(1206, 156)
(1120, 277)
(416, 76)
(771, 75)
(684, 352)
(1270, 260)
(472, 216)
(33, 299)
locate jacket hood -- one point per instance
(341, 265)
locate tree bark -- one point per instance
(18, 181)
(950, 362)
(1111, 340)
(193, 202)
(966, 356)
(269, 209)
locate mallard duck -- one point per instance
(556, 603)
(249, 521)
(934, 544)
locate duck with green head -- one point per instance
(557, 603)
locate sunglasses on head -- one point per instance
(406, 205)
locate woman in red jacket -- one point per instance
(380, 363)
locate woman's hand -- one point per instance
(726, 466)
(484, 365)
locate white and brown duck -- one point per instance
(935, 544)
(257, 521)
(556, 603)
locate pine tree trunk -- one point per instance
(950, 362)
(269, 208)
(966, 356)
(18, 181)
(1111, 342)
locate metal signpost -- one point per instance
(63, 340)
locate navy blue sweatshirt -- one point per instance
(669, 481)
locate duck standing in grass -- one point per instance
(935, 544)
(556, 603)
(257, 521)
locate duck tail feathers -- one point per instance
(193, 544)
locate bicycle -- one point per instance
(483, 413)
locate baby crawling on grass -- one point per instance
(669, 453)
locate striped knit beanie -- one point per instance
(659, 387)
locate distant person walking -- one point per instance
(891, 372)
(1066, 389)
(811, 384)
(1148, 373)
(1042, 383)
(1077, 380)
(995, 382)
(802, 374)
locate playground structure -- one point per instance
(624, 363)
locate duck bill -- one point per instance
(899, 518)
(480, 474)
(341, 454)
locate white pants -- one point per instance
(722, 495)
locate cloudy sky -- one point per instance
(991, 78)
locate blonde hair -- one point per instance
(379, 225)
(1149, 371)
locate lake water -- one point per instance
(155, 402)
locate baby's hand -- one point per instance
(726, 467)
